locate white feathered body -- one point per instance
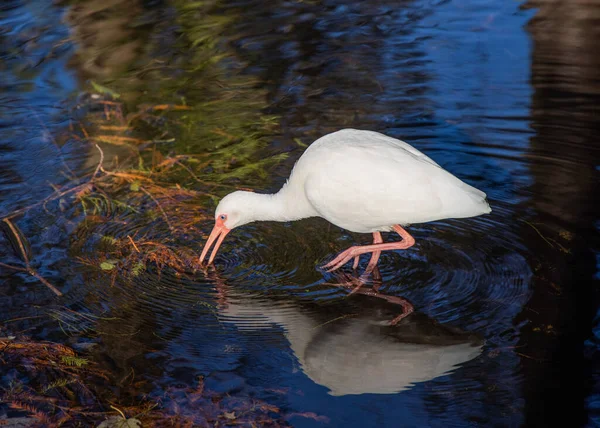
(364, 181)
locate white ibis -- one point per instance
(362, 181)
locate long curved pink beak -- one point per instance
(220, 232)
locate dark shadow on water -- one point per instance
(564, 165)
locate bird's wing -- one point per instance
(377, 139)
(365, 181)
(370, 187)
(362, 138)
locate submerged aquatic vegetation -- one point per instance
(127, 258)
(129, 215)
(165, 140)
(163, 143)
(57, 387)
(145, 182)
(48, 381)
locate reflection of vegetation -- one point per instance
(171, 137)
(203, 109)
(196, 131)
(227, 116)
(143, 193)
(106, 196)
(225, 113)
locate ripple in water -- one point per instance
(464, 273)
(266, 291)
(457, 269)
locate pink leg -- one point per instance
(345, 256)
(377, 239)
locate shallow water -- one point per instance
(498, 93)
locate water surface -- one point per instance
(499, 93)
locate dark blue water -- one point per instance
(502, 94)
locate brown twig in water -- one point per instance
(57, 194)
(45, 282)
(99, 163)
(46, 200)
(113, 128)
(31, 271)
(539, 233)
(119, 410)
(13, 267)
(170, 107)
(188, 169)
(159, 207)
(85, 133)
(133, 243)
(561, 247)
(117, 140)
(223, 133)
(110, 103)
(16, 234)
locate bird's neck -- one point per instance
(280, 206)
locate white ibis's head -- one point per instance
(235, 209)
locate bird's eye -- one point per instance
(222, 216)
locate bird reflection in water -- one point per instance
(354, 348)
(357, 285)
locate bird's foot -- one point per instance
(350, 282)
(343, 258)
(355, 252)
